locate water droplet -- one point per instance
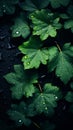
(17, 32)
(32, 16)
(43, 103)
(26, 57)
(20, 121)
(28, 63)
(56, 97)
(46, 108)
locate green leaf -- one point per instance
(31, 5)
(34, 54)
(45, 101)
(20, 28)
(19, 113)
(45, 24)
(61, 61)
(7, 6)
(69, 25)
(58, 3)
(22, 82)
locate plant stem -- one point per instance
(36, 125)
(40, 87)
(59, 48)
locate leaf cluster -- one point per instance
(40, 24)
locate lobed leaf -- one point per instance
(45, 24)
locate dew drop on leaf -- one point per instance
(43, 103)
(28, 63)
(26, 57)
(20, 121)
(46, 108)
(56, 97)
(17, 32)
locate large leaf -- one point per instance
(58, 3)
(45, 101)
(45, 24)
(34, 54)
(7, 6)
(32, 5)
(62, 62)
(19, 113)
(20, 27)
(22, 82)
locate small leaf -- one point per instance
(20, 28)
(18, 113)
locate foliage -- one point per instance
(22, 83)
(42, 30)
(31, 5)
(62, 61)
(20, 27)
(45, 24)
(45, 102)
(34, 53)
(7, 6)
